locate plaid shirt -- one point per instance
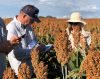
(2, 34)
(2, 54)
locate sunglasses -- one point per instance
(75, 23)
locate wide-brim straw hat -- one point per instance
(76, 17)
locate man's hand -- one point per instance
(8, 45)
(40, 47)
(14, 40)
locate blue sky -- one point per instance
(56, 8)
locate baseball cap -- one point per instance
(32, 11)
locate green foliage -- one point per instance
(73, 66)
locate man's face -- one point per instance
(27, 20)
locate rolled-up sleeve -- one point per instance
(11, 31)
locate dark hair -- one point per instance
(76, 23)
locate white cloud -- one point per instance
(58, 8)
(94, 7)
(65, 16)
(15, 2)
(89, 8)
(69, 4)
(43, 0)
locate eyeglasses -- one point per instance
(75, 23)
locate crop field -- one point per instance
(61, 62)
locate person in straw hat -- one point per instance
(78, 37)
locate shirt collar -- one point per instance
(15, 19)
